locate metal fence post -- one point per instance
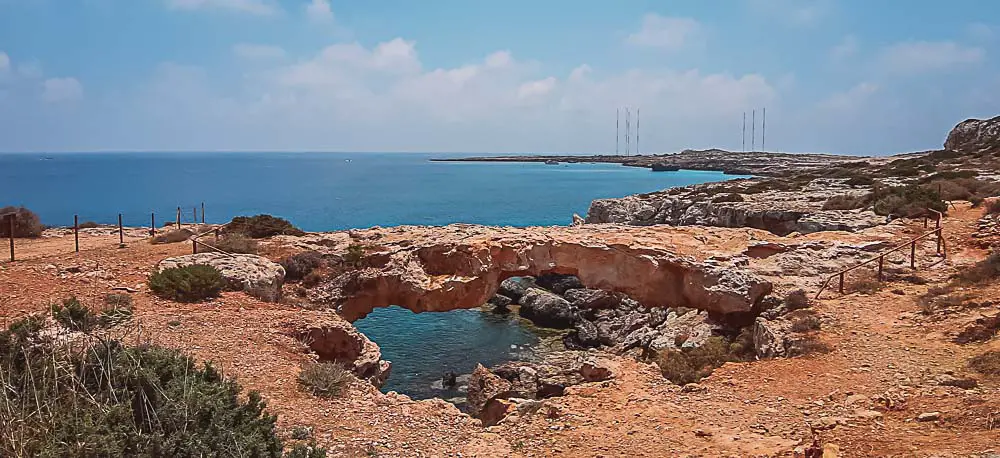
(121, 232)
(913, 255)
(152, 224)
(76, 232)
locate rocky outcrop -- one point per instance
(462, 266)
(335, 340)
(546, 309)
(779, 212)
(974, 135)
(485, 386)
(253, 274)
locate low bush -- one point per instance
(232, 243)
(865, 284)
(804, 321)
(733, 197)
(948, 175)
(807, 346)
(313, 278)
(261, 226)
(906, 201)
(72, 314)
(987, 269)
(987, 363)
(26, 223)
(88, 225)
(107, 399)
(355, 253)
(690, 365)
(298, 265)
(325, 379)
(187, 284)
(796, 299)
(118, 309)
(860, 180)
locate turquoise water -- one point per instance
(330, 191)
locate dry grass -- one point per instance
(804, 321)
(987, 363)
(808, 346)
(325, 379)
(690, 365)
(797, 299)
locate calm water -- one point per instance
(329, 191)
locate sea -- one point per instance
(333, 191)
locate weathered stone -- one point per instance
(515, 287)
(771, 337)
(596, 370)
(558, 283)
(253, 274)
(929, 416)
(974, 135)
(484, 386)
(338, 341)
(584, 335)
(496, 410)
(500, 303)
(689, 330)
(591, 299)
(546, 309)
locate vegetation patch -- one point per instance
(74, 315)
(906, 201)
(689, 365)
(261, 226)
(987, 363)
(847, 202)
(88, 225)
(860, 180)
(26, 223)
(107, 399)
(796, 299)
(807, 346)
(355, 253)
(187, 284)
(298, 266)
(732, 197)
(325, 379)
(804, 321)
(985, 270)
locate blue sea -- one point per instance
(331, 191)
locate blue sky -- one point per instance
(468, 76)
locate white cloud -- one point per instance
(4, 62)
(499, 59)
(255, 51)
(927, 56)
(536, 89)
(847, 48)
(259, 7)
(61, 90)
(670, 33)
(852, 99)
(799, 13)
(319, 11)
(980, 32)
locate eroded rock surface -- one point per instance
(335, 340)
(256, 275)
(974, 135)
(461, 266)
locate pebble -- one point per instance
(929, 416)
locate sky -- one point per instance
(850, 77)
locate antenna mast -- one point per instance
(753, 129)
(763, 130)
(744, 132)
(637, 131)
(628, 130)
(618, 112)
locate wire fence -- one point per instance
(127, 226)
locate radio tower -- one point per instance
(637, 132)
(753, 130)
(618, 112)
(628, 130)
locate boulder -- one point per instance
(546, 309)
(596, 370)
(584, 335)
(558, 283)
(485, 386)
(516, 287)
(591, 299)
(336, 340)
(256, 275)
(496, 410)
(686, 330)
(500, 303)
(974, 135)
(771, 337)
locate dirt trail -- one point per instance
(883, 347)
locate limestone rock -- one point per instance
(485, 386)
(546, 309)
(515, 287)
(596, 370)
(500, 303)
(336, 340)
(590, 299)
(558, 283)
(974, 135)
(584, 335)
(770, 337)
(929, 416)
(253, 274)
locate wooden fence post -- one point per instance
(841, 283)
(881, 260)
(203, 213)
(76, 232)
(194, 246)
(178, 217)
(121, 232)
(913, 255)
(938, 231)
(10, 217)
(152, 224)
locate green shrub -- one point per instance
(118, 309)
(261, 226)
(106, 399)
(355, 253)
(26, 223)
(74, 315)
(232, 243)
(187, 284)
(860, 180)
(325, 379)
(88, 225)
(690, 365)
(907, 201)
(298, 265)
